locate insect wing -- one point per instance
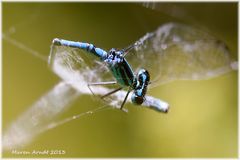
(180, 52)
(77, 67)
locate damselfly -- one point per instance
(172, 52)
(119, 67)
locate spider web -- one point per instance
(40, 116)
(43, 112)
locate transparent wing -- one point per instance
(180, 52)
(78, 68)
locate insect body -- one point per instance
(120, 68)
(141, 88)
(172, 52)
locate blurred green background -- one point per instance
(202, 121)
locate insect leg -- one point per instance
(100, 83)
(124, 101)
(114, 91)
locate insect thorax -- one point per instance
(119, 67)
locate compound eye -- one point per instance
(137, 99)
(112, 51)
(119, 54)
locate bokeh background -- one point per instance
(202, 121)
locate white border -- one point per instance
(4, 1)
(120, 1)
